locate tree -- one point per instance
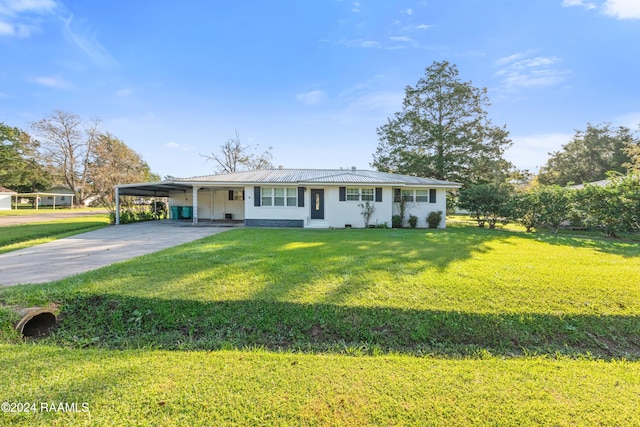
(488, 203)
(20, 167)
(589, 156)
(632, 149)
(68, 146)
(113, 163)
(443, 132)
(235, 157)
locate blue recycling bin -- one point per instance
(175, 212)
(187, 212)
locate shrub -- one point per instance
(434, 218)
(396, 221)
(487, 203)
(413, 221)
(367, 211)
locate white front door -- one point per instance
(204, 204)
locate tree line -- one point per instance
(65, 150)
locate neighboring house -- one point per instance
(6, 197)
(602, 183)
(57, 196)
(309, 198)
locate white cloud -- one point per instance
(6, 29)
(401, 38)
(87, 43)
(18, 16)
(582, 3)
(313, 97)
(408, 11)
(356, 7)
(174, 145)
(51, 81)
(623, 9)
(620, 9)
(521, 71)
(12, 7)
(23, 17)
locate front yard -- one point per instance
(340, 327)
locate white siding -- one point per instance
(215, 203)
(422, 209)
(5, 202)
(336, 213)
(212, 203)
(339, 214)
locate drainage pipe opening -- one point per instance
(35, 321)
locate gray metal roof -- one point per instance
(281, 176)
(319, 176)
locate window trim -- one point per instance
(289, 194)
(428, 195)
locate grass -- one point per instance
(28, 210)
(26, 235)
(341, 327)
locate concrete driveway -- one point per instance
(89, 251)
(6, 221)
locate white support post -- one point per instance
(195, 205)
(117, 206)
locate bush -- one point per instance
(487, 203)
(413, 221)
(133, 214)
(396, 221)
(434, 218)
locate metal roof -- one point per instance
(324, 176)
(281, 176)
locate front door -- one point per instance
(317, 203)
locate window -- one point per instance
(367, 194)
(291, 197)
(407, 195)
(267, 194)
(280, 196)
(422, 196)
(353, 194)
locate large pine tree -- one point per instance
(444, 132)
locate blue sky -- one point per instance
(313, 78)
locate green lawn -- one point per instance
(28, 210)
(341, 327)
(22, 236)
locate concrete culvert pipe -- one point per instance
(35, 321)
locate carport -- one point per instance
(169, 189)
(38, 195)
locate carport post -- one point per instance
(117, 206)
(195, 205)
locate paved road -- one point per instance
(49, 216)
(88, 251)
